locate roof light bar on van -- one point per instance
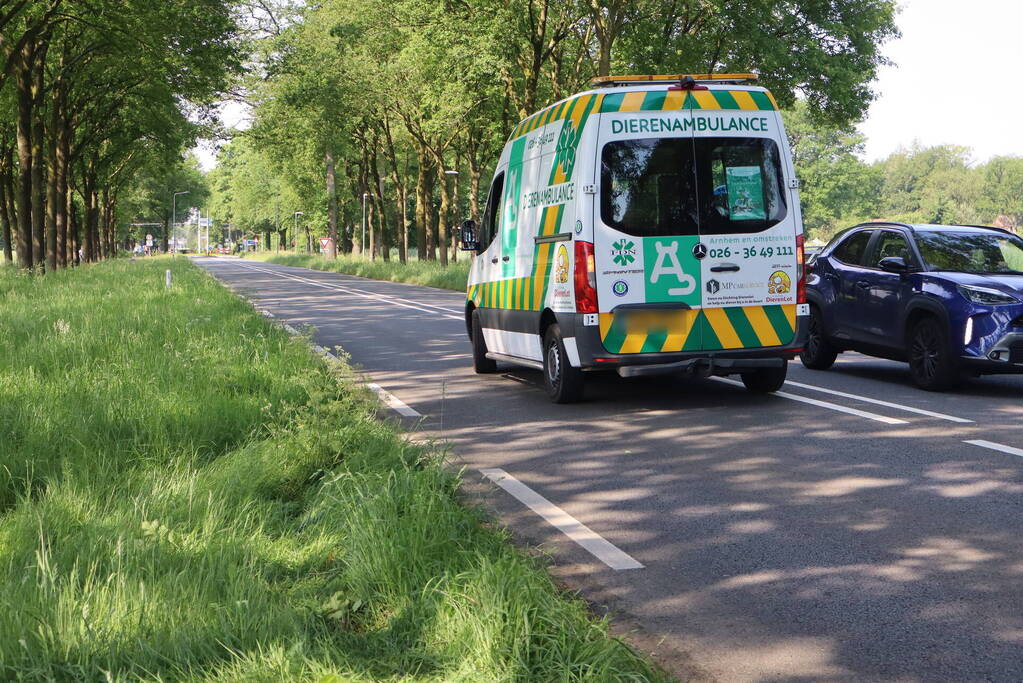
(646, 79)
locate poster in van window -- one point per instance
(745, 193)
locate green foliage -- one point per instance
(915, 185)
(191, 494)
(837, 188)
(400, 91)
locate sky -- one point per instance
(955, 79)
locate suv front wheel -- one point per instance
(931, 364)
(818, 354)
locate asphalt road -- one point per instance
(780, 539)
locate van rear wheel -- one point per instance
(480, 363)
(563, 382)
(765, 380)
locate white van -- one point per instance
(648, 226)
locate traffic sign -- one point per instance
(324, 242)
(149, 240)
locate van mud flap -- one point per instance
(701, 367)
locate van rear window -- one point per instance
(680, 186)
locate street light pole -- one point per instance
(295, 229)
(451, 236)
(174, 214)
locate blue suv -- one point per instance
(948, 299)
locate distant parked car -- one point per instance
(948, 299)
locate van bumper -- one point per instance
(593, 355)
(701, 367)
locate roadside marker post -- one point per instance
(168, 279)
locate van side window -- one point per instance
(488, 229)
(854, 248)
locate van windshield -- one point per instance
(678, 186)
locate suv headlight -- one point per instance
(986, 296)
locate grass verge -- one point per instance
(186, 492)
(428, 273)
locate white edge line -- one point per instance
(394, 301)
(589, 540)
(392, 401)
(996, 447)
(825, 404)
(865, 399)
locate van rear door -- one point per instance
(748, 223)
(645, 232)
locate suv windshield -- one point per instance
(972, 252)
(678, 186)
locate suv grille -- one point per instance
(1016, 352)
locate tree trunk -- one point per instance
(73, 239)
(38, 159)
(52, 189)
(331, 205)
(6, 205)
(402, 212)
(424, 206)
(91, 217)
(445, 204)
(378, 238)
(24, 135)
(103, 221)
(63, 145)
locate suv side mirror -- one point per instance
(893, 264)
(468, 237)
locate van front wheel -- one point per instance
(765, 380)
(563, 382)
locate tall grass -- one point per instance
(188, 493)
(428, 273)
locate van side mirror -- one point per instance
(893, 264)
(468, 236)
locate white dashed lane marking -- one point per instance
(824, 404)
(996, 447)
(589, 540)
(878, 402)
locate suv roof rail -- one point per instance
(986, 227)
(899, 224)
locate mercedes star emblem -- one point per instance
(700, 251)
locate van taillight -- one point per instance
(585, 278)
(800, 272)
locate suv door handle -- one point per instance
(863, 284)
